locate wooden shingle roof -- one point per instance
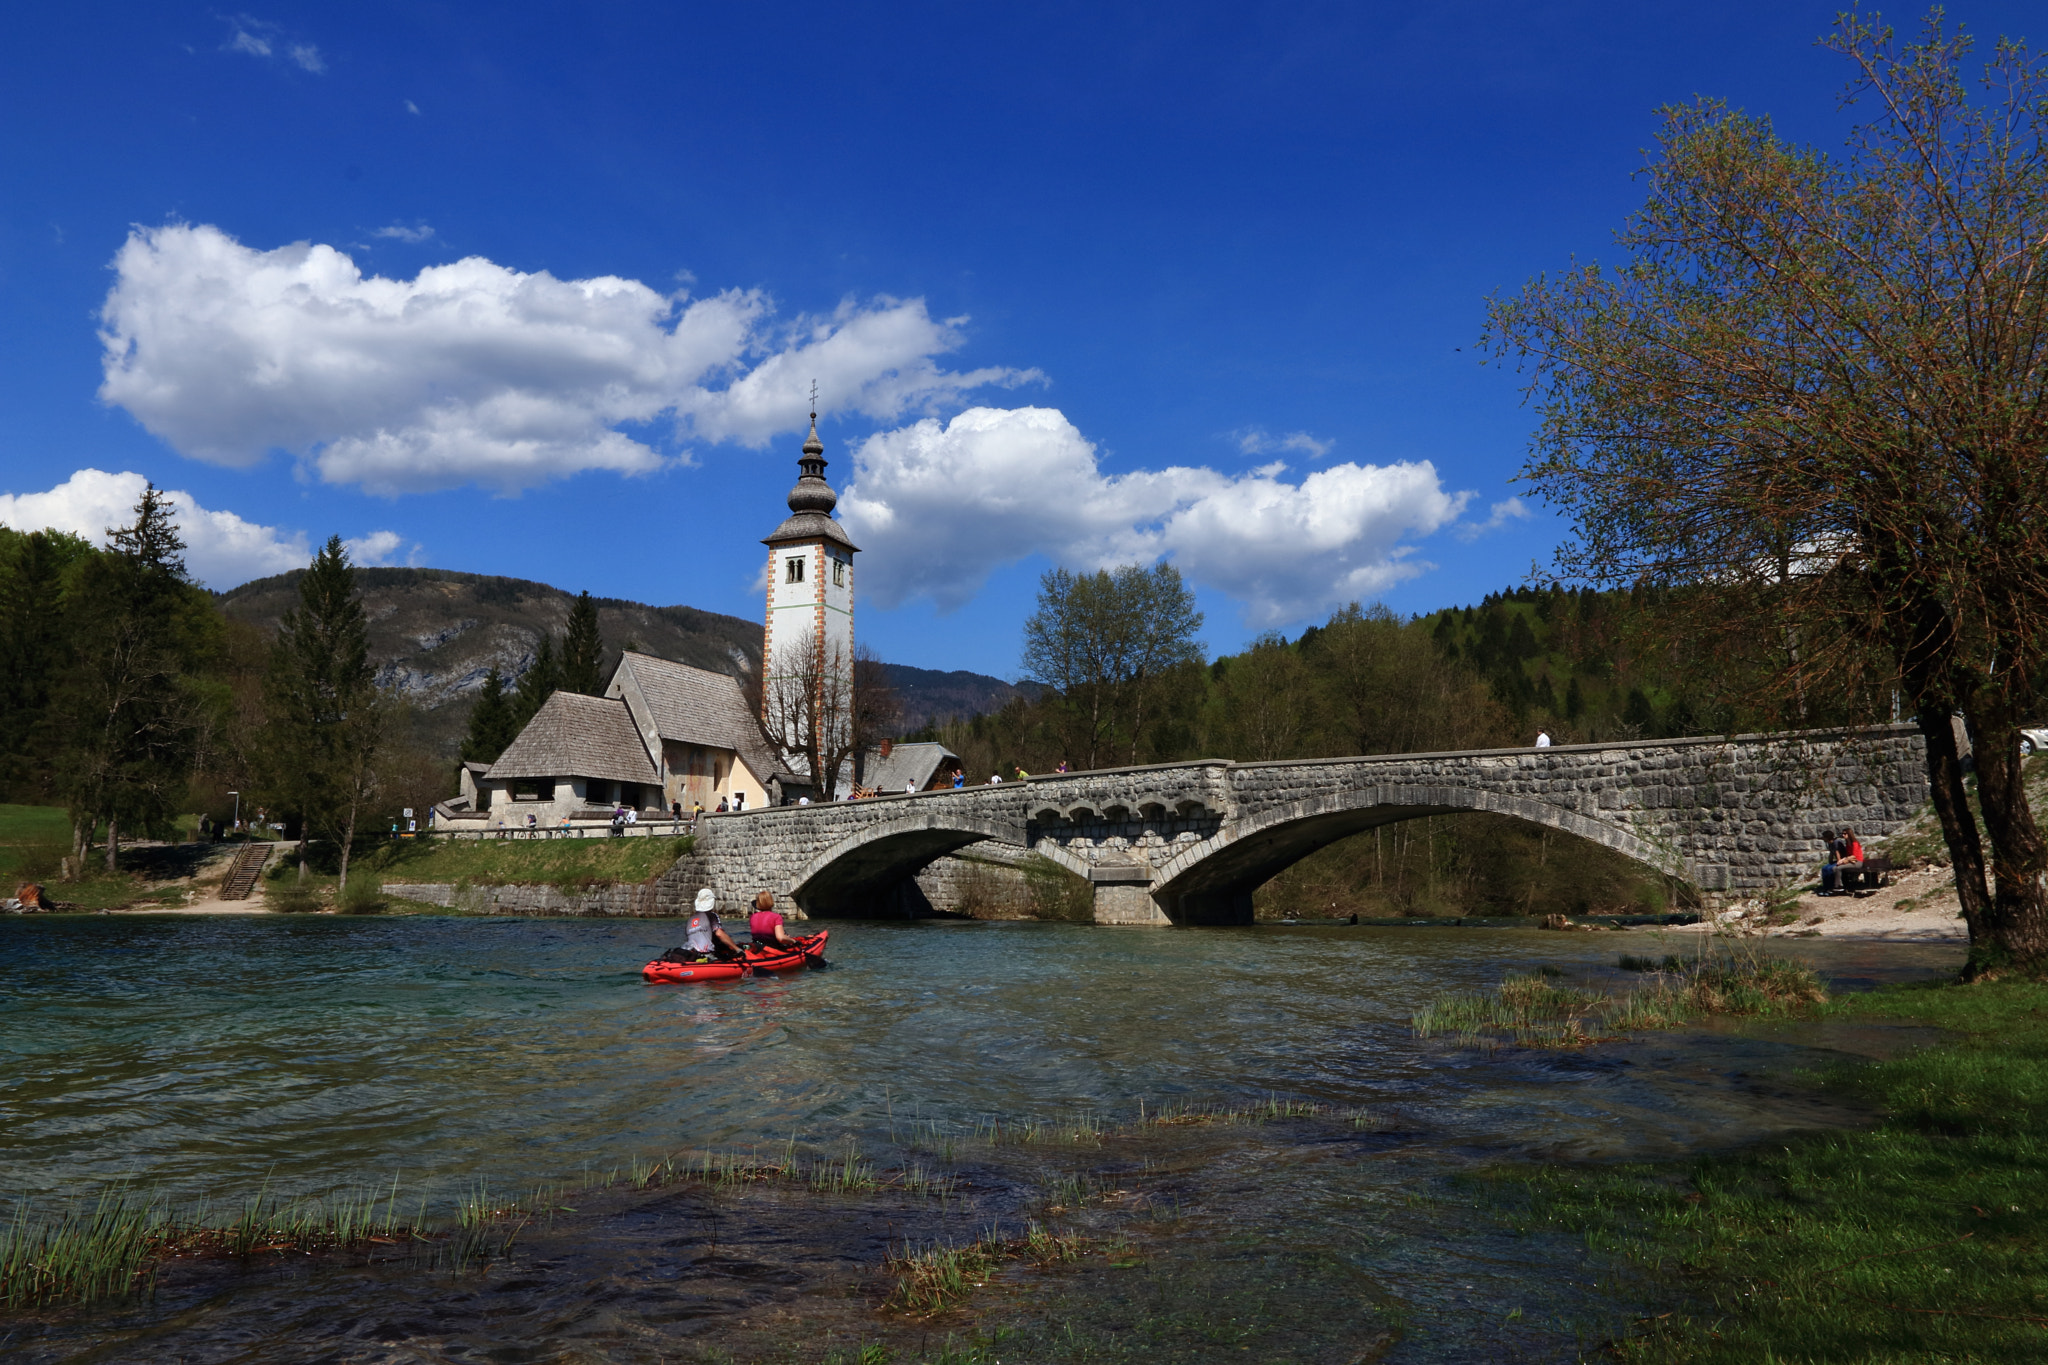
(696, 706)
(915, 764)
(577, 736)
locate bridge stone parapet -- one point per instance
(1189, 842)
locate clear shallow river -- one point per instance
(202, 1056)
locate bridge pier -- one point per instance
(1123, 895)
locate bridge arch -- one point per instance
(1211, 882)
(858, 871)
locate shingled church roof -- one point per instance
(696, 706)
(577, 736)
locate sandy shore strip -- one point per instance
(1919, 906)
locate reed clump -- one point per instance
(114, 1246)
(933, 1279)
(1528, 1009)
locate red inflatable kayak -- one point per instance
(808, 952)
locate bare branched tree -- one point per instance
(824, 709)
(1817, 388)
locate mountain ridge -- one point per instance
(436, 633)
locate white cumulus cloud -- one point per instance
(938, 507)
(221, 549)
(374, 548)
(473, 373)
(401, 233)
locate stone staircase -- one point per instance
(244, 871)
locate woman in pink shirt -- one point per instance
(765, 925)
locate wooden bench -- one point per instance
(1875, 872)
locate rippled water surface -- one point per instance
(203, 1056)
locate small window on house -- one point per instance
(838, 573)
(534, 789)
(597, 793)
(796, 570)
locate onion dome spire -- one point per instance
(812, 493)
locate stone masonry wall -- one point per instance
(1729, 816)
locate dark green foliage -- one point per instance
(127, 712)
(583, 650)
(539, 682)
(325, 715)
(35, 569)
(493, 725)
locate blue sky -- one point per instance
(541, 290)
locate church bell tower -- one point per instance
(807, 646)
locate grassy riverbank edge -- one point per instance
(1919, 1239)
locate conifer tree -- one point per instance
(326, 716)
(493, 725)
(539, 682)
(583, 650)
(129, 719)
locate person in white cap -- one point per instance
(706, 937)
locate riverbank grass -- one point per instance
(570, 864)
(1533, 1009)
(1924, 1238)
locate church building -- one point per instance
(665, 734)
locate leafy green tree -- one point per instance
(1817, 392)
(326, 715)
(1385, 687)
(35, 640)
(1106, 642)
(1264, 700)
(493, 725)
(583, 650)
(126, 711)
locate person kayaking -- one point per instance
(766, 926)
(708, 940)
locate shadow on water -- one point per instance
(201, 1057)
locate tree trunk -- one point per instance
(1958, 822)
(2015, 924)
(113, 843)
(348, 840)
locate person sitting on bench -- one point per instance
(1845, 864)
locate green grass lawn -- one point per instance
(1920, 1239)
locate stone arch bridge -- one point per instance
(1188, 843)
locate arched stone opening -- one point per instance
(873, 872)
(1212, 882)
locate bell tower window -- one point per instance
(796, 570)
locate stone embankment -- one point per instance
(626, 899)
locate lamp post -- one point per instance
(238, 808)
